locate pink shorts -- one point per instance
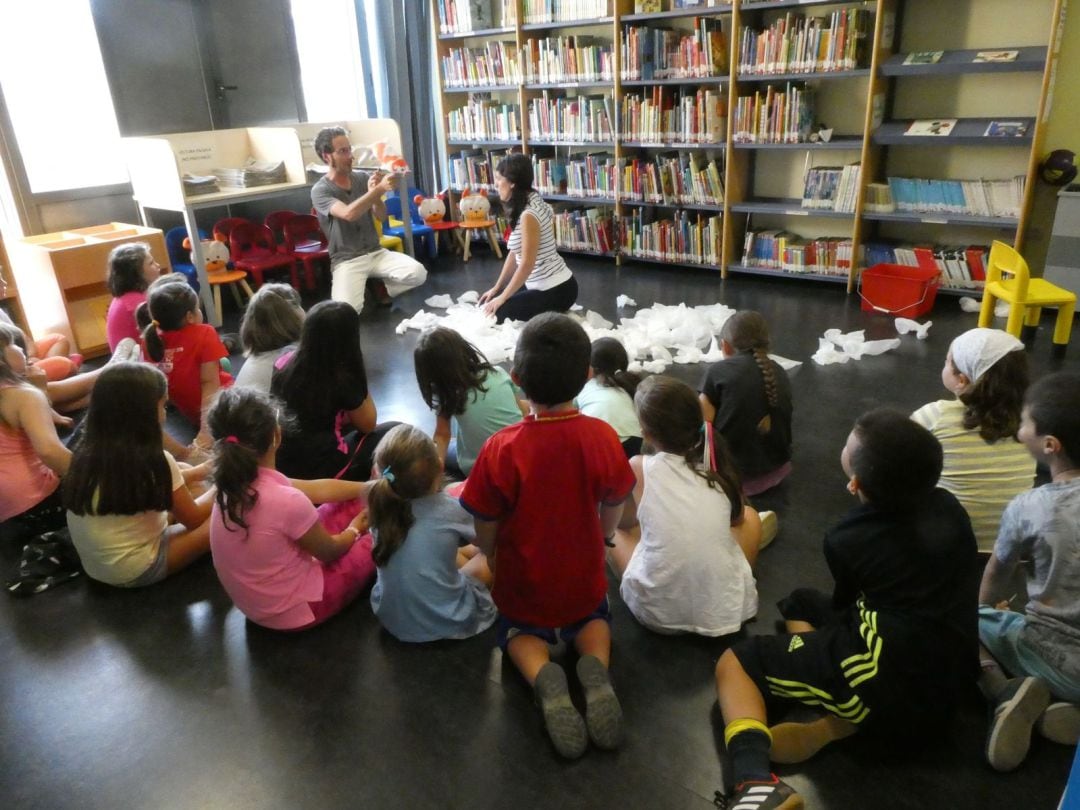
(343, 580)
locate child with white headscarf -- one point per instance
(985, 466)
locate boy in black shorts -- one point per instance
(896, 642)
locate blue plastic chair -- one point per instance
(420, 229)
(178, 256)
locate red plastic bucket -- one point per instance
(899, 290)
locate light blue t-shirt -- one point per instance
(613, 405)
(420, 595)
(488, 412)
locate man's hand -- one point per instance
(383, 182)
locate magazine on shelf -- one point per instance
(996, 56)
(935, 127)
(1006, 129)
(923, 57)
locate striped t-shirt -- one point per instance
(984, 476)
(549, 270)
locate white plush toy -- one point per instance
(474, 207)
(432, 209)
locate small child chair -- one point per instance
(1008, 278)
(252, 250)
(276, 221)
(307, 244)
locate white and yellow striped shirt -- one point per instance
(984, 476)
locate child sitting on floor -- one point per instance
(471, 398)
(123, 485)
(687, 566)
(985, 466)
(545, 494)
(895, 646)
(270, 327)
(32, 456)
(131, 270)
(747, 399)
(432, 583)
(278, 564)
(1041, 645)
(609, 393)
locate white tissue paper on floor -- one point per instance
(469, 297)
(625, 301)
(839, 347)
(906, 325)
(439, 301)
(1001, 309)
(969, 304)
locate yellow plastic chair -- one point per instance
(1007, 278)
(389, 242)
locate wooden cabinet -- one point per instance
(61, 279)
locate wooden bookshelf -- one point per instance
(863, 103)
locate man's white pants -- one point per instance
(397, 270)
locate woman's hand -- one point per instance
(492, 306)
(492, 293)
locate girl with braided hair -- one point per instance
(747, 399)
(685, 553)
(432, 582)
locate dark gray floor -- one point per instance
(168, 698)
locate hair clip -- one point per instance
(232, 440)
(155, 324)
(389, 476)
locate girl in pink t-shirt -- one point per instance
(187, 351)
(274, 557)
(131, 268)
(31, 455)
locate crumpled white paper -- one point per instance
(469, 297)
(906, 325)
(1001, 308)
(839, 347)
(439, 301)
(625, 301)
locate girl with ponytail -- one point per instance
(432, 583)
(274, 557)
(609, 393)
(685, 555)
(747, 399)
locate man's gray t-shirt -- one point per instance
(1043, 525)
(347, 240)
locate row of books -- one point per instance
(790, 253)
(679, 179)
(686, 238)
(661, 53)
(495, 63)
(831, 188)
(585, 229)
(959, 265)
(569, 59)
(485, 120)
(593, 175)
(674, 115)
(774, 115)
(475, 168)
(463, 16)
(984, 198)
(798, 43)
(546, 11)
(578, 118)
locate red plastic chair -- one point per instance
(307, 244)
(252, 249)
(275, 221)
(223, 227)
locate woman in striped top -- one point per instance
(534, 278)
(985, 467)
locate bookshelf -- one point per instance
(696, 109)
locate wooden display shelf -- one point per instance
(62, 276)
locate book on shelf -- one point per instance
(879, 199)
(651, 52)
(996, 56)
(831, 188)
(982, 198)
(923, 57)
(675, 115)
(935, 127)
(787, 252)
(1006, 129)
(686, 237)
(548, 11)
(588, 229)
(774, 116)
(571, 118)
(960, 266)
(575, 58)
(475, 168)
(483, 119)
(800, 43)
(492, 64)
(464, 16)
(646, 6)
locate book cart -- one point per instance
(157, 165)
(639, 145)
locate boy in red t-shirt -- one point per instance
(545, 494)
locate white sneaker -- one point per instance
(124, 350)
(770, 525)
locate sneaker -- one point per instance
(603, 714)
(123, 351)
(797, 742)
(760, 795)
(770, 525)
(1060, 723)
(1019, 706)
(563, 722)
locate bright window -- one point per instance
(330, 70)
(57, 96)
